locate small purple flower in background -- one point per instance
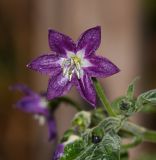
(38, 106)
(72, 63)
(58, 152)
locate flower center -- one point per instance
(70, 66)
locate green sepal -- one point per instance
(131, 89)
(124, 106)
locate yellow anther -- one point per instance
(76, 60)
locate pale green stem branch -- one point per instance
(147, 135)
(103, 97)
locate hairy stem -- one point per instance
(147, 135)
(150, 136)
(148, 109)
(135, 141)
(103, 97)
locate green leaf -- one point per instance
(107, 149)
(131, 89)
(101, 142)
(72, 150)
(111, 123)
(148, 97)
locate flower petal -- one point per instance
(86, 89)
(32, 105)
(90, 40)
(101, 67)
(47, 64)
(58, 86)
(58, 152)
(23, 88)
(59, 43)
(51, 128)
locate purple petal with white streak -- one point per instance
(32, 104)
(58, 86)
(90, 40)
(22, 88)
(101, 67)
(86, 89)
(59, 43)
(58, 152)
(47, 64)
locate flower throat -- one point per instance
(70, 66)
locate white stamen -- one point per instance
(65, 71)
(77, 73)
(41, 119)
(70, 77)
(70, 66)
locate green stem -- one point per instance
(148, 109)
(103, 97)
(135, 141)
(147, 135)
(150, 136)
(56, 102)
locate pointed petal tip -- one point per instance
(117, 70)
(98, 27)
(92, 102)
(59, 42)
(28, 65)
(90, 40)
(93, 105)
(51, 31)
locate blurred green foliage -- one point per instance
(147, 157)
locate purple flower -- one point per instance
(72, 63)
(38, 106)
(58, 152)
